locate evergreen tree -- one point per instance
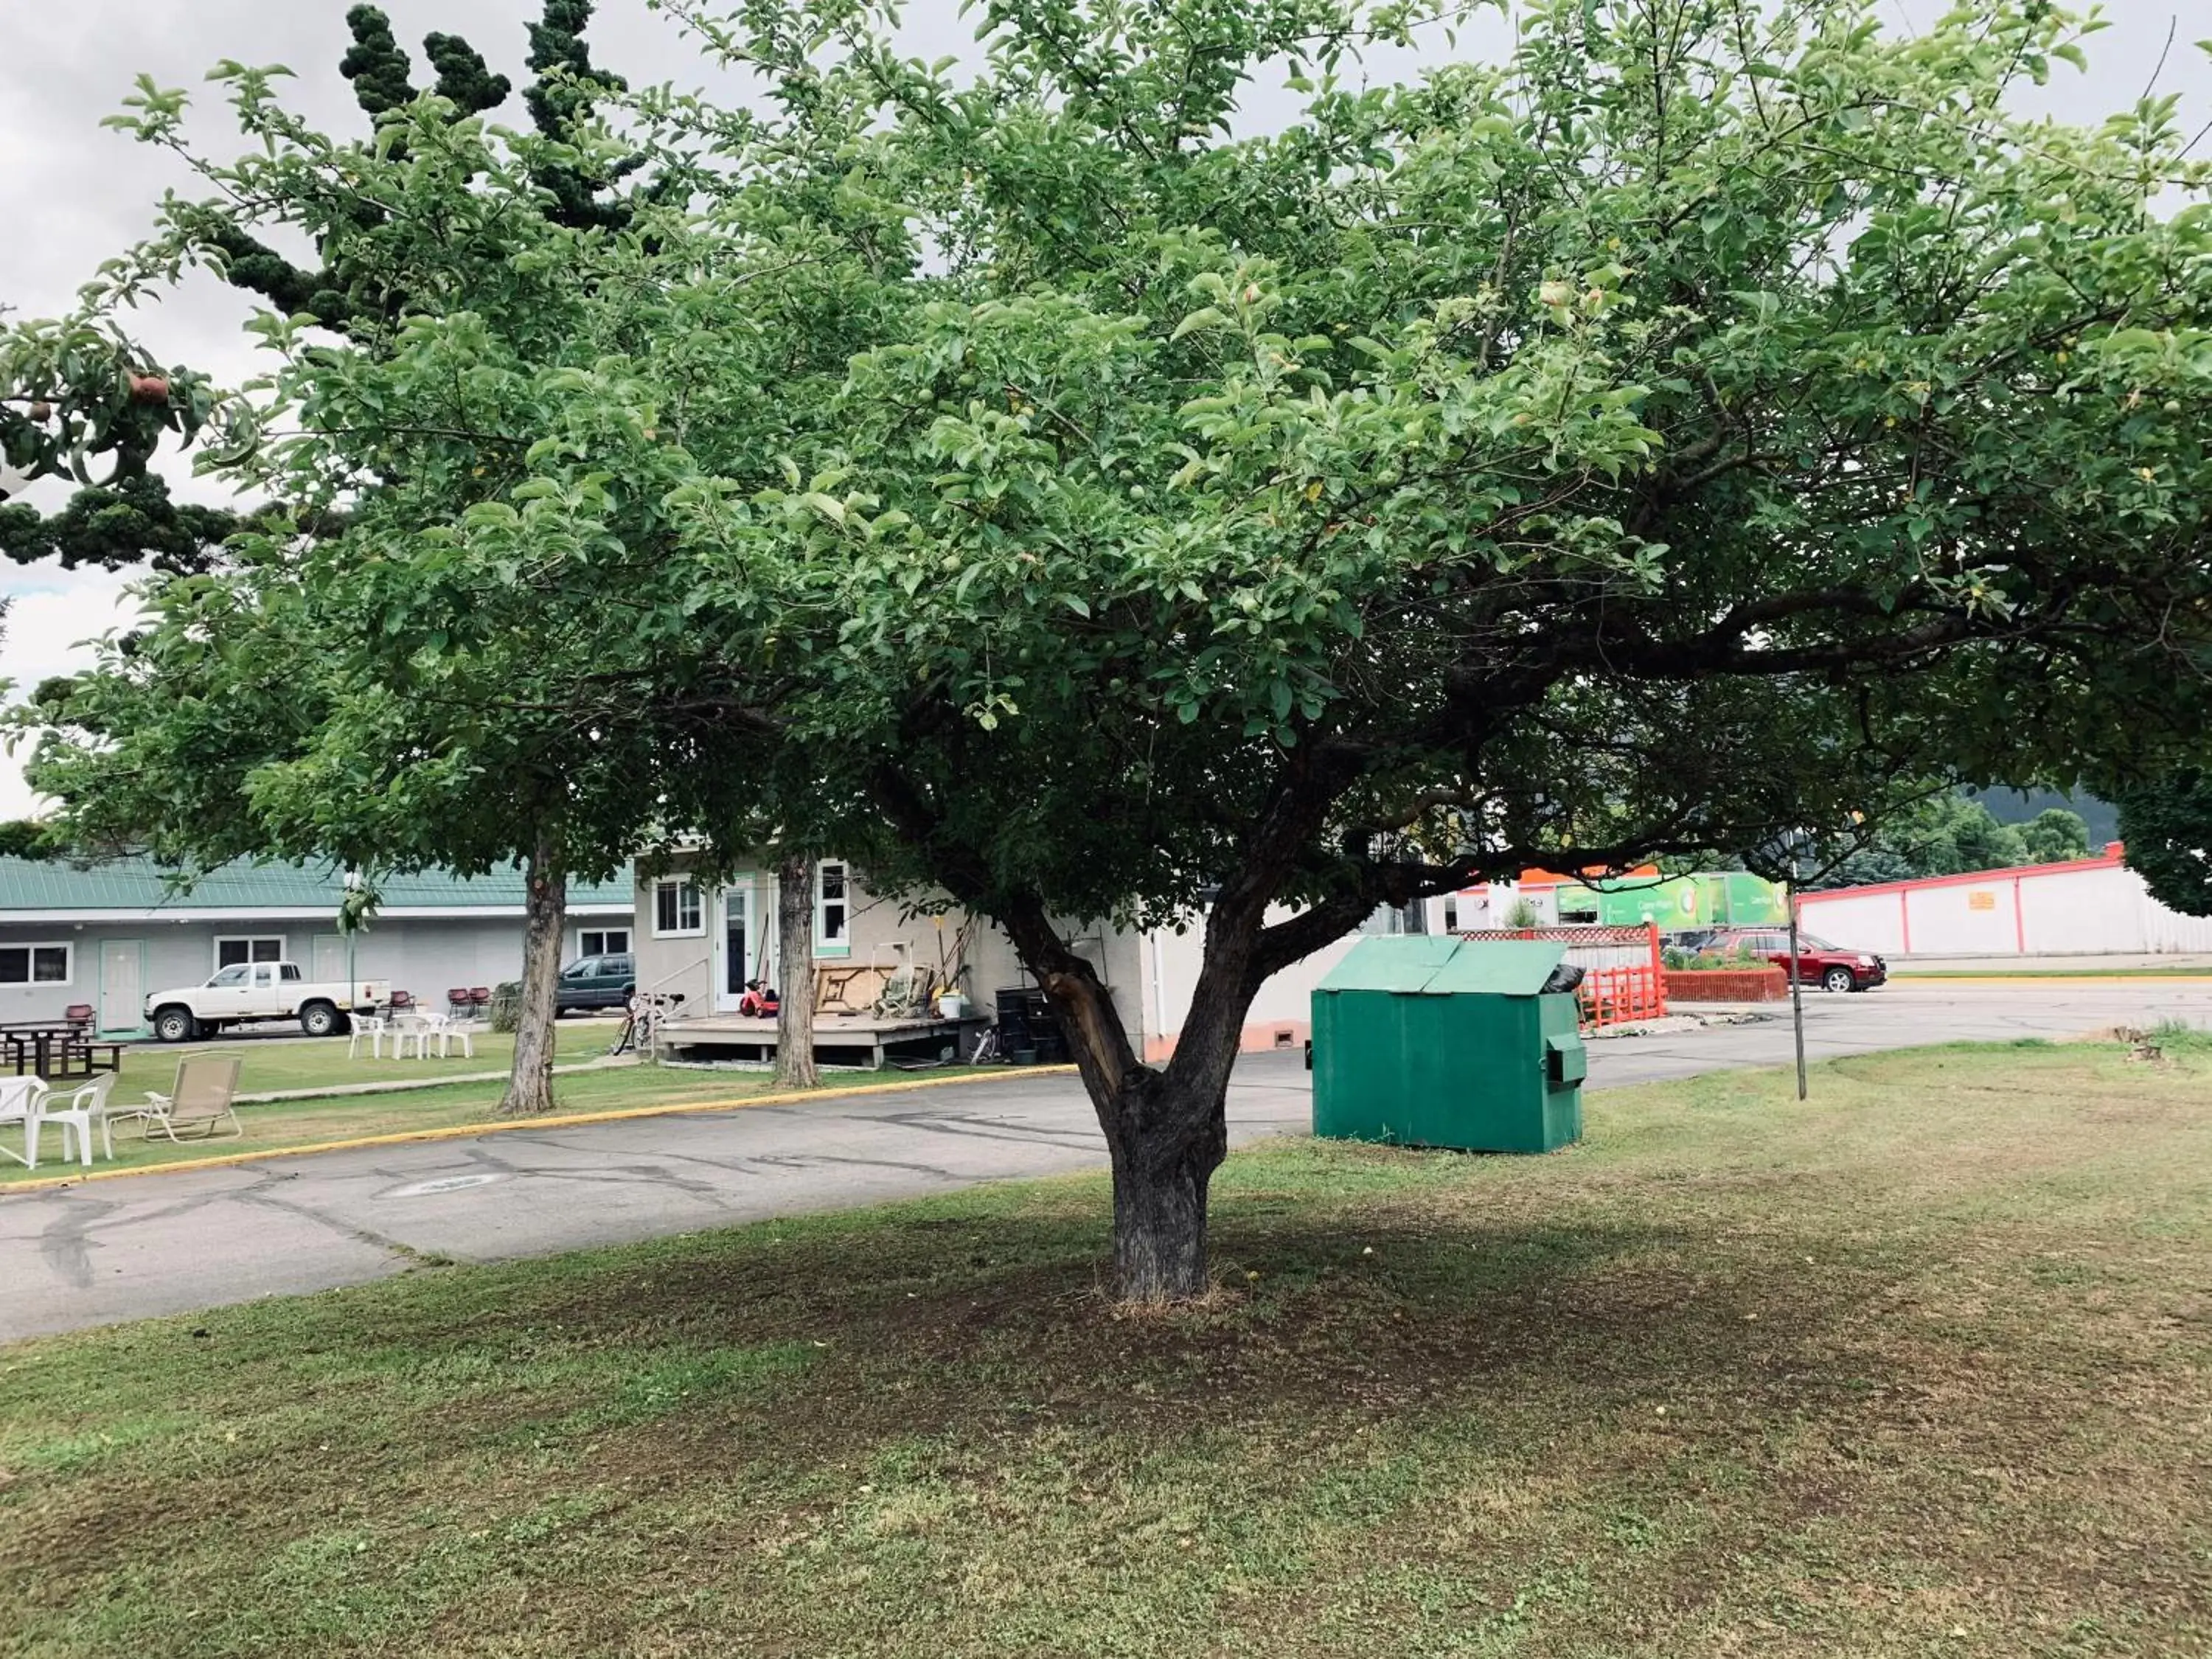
(129, 516)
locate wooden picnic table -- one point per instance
(57, 1050)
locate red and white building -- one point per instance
(2083, 906)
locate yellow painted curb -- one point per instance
(505, 1126)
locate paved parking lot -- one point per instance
(162, 1243)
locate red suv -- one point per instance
(1819, 963)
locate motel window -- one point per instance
(677, 909)
(267, 947)
(34, 964)
(833, 907)
(602, 942)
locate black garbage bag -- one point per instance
(1565, 977)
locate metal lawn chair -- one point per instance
(197, 1102)
(22, 1100)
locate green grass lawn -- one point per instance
(270, 1125)
(272, 1064)
(1923, 1367)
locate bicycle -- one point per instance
(643, 1016)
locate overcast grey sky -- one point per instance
(72, 193)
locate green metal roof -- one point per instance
(138, 884)
(1417, 964)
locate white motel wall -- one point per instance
(105, 936)
(2086, 907)
(1281, 1015)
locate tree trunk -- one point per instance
(1170, 1136)
(545, 910)
(794, 952)
(1166, 1127)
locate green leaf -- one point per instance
(1207, 317)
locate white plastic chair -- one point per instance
(372, 1026)
(78, 1113)
(409, 1027)
(22, 1100)
(448, 1031)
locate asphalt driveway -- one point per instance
(120, 1249)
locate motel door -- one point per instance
(122, 996)
(736, 947)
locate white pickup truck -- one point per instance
(258, 991)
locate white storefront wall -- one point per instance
(2094, 907)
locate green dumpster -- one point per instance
(1439, 1041)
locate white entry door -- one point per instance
(736, 946)
(122, 997)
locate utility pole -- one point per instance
(1796, 981)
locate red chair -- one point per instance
(402, 999)
(78, 1013)
(480, 996)
(458, 999)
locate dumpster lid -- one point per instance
(1405, 961)
(1498, 967)
(1438, 965)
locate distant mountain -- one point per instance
(2018, 805)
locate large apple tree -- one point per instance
(1676, 435)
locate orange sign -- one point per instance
(1981, 899)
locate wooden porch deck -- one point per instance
(839, 1039)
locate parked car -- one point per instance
(1831, 967)
(246, 992)
(591, 983)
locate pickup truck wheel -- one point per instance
(1839, 979)
(318, 1019)
(175, 1025)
